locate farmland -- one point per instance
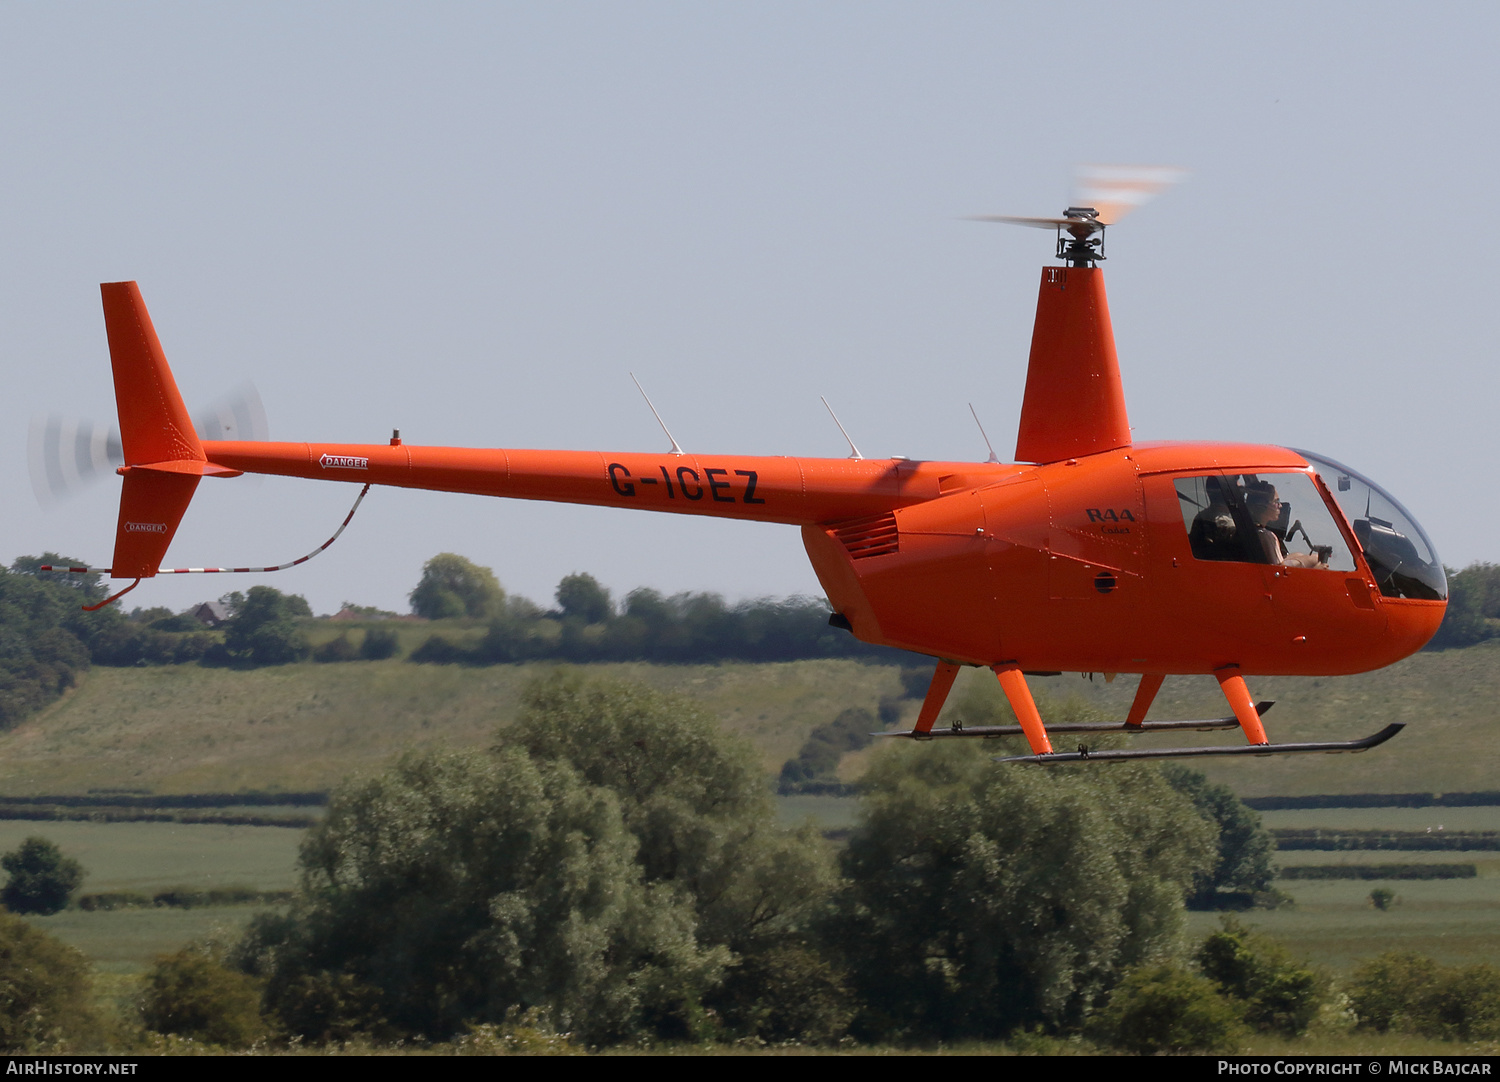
(305, 727)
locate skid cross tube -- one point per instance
(990, 732)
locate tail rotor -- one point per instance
(68, 454)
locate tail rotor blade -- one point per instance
(239, 415)
(66, 455)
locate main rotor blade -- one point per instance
(1116, 190)
(1035, 223)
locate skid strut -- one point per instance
(1246, 715)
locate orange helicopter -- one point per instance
(1089, 553)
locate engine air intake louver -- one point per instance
(866, 537)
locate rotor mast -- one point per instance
(1080, 237)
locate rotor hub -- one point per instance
(1080, 237)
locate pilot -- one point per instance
(1264, 506)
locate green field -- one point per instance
(184, 729)
(148, 857)
(189, 729)
(1333, 924)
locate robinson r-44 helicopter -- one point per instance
(1089, 553)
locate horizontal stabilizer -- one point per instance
(152, 503)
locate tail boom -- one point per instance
(785, 490)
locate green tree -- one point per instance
(44, 633)
(604, 864)
(982, 899)
(42, 880)
(580, 597)
(461, 885)
(192, 994)
(1473, 606)
(1280, 995)
(1162, 1008)
(694, 797)
(1244, 868)
(46, 1004)
(452, 586)
(263, 629)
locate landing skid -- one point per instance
(1182, 753)
(991, 732)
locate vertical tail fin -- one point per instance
(1074, 403)
(163, 459)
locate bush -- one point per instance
(1408, 993)
(380, 643)
(1387, 992)
(336, 650)
(42, 880)
(982, 899)
(330, 1007)
(191, 994)
(1278, 994)
(1162, 1008)
(825, 746)
(788, 992)
(45, 1006)
(441, 650)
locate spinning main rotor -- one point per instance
(1103, 194)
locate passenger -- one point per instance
(1264, 506)
(1212, 536)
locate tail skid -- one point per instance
(213, 570)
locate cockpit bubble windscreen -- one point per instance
(1399, 553)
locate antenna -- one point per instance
(676, 450)
(835, 416)
(982, 432)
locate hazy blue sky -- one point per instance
(471, 221)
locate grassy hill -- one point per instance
(179, 729)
